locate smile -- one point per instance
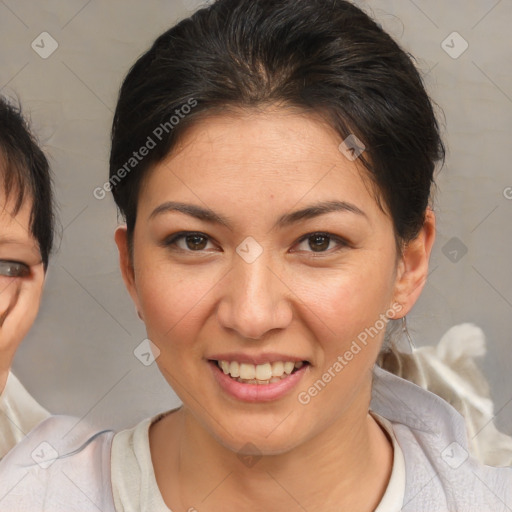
(258, 382)
(266, 373)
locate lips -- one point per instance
(263, 381)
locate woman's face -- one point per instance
(258, 243)
(21, 278)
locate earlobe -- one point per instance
(413, 267)
(126, 265)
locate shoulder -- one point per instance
(132, 444)
(63, 463)
(19, 413)
(439, 467)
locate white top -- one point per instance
(393, 498)
(134, 483)
(19, 414)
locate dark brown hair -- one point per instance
(24, 172)
(321, 56)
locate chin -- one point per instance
(257, 437)
(259, 446)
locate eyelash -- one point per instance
(13, 269)
(171, 240)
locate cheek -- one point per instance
(355, 287)
(349, 315)
(348, 302)
(9, 290)
(19, 303)
(172, 302)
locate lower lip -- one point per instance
(257, 392)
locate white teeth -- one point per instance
(225, 366)
(288, 367)
(259, 373)
(234, 369)
(247, 371)
(264, 371)
(277, 369)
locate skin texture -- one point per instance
(252, 168)
(20, 295)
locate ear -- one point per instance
(126, 265)
(413, 266)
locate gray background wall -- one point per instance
(79, 357)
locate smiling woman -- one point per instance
(271, 236)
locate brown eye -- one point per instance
(188, 241)
(319, 243)
(13, 269)
(196, 242)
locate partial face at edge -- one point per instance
(256, 283)
(21, 278)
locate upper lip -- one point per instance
(256, 358)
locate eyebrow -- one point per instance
(285, 220)
(319, 209)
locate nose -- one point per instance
(255, 300)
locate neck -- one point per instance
(345, 467)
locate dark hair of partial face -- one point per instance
(323, 57)
(25, 175)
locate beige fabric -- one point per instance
(19, 413)
(393, 498)
(449, 370)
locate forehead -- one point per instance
(15, 225)
(16, 240)
(247, 157)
